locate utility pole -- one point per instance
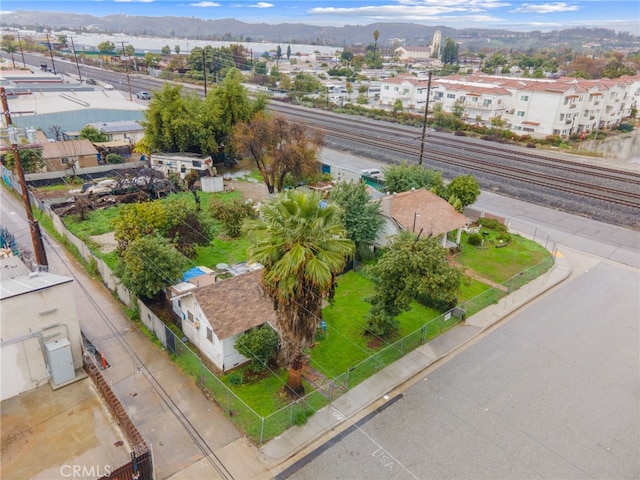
(76, 57)
(53, 64)
(204, 71)
(424, 125)
(34, 227)
(126, 69)
(21, 52)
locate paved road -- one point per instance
(552, 393)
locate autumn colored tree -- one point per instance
(278, 148)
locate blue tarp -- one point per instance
(192, 273)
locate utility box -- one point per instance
(212, 184)
(60, 361)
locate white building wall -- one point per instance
(28, 320)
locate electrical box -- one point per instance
(60, 361)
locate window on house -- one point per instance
(386, 87)
(396, 89)
(190, 316)
(487, 102)
(561, 116)
(65, 160)
(462, 99)
(474, 99)
(524, 98)
(520, 113)
(209, 334)
(451, 95)
(405, 91)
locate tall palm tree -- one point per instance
(376, 35)
(303, 245)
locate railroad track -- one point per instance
(597, 192)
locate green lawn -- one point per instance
(344, 345)
(500, 264)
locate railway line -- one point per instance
(584, 188)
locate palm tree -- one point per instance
(376, 35)
(303, 245)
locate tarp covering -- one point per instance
(192, 273)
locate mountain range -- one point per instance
(391, 34)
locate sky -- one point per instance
(519, 15)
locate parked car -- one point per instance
(143, 95)
(90, 81)
(108, 86)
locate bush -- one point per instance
(531, 145)
(475, 239)
(504, 237)
(460, 133)
(114, 158)
(492, 224)
(235, 378)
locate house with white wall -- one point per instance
(215, 311)
(40, 334)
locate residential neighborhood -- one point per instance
(225, 297)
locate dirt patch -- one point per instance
(106, 241)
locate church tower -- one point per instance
(436, 44)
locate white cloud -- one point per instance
(204, 4)
(133, 1)
(545, 8)
(261, 5)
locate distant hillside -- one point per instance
(391, 34)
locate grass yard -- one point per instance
(500, 264)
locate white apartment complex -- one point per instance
(538, 107)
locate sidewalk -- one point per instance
(293, 445)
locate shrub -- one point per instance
(235, 378)
(475, 239)
(504, 237)
(531, 145)
(492, 224)
(460, 133)
(114, 158)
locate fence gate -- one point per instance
(171, 339)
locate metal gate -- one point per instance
(171, 339)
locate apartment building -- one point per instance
(538, 107)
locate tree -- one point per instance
(177, 49)
(346, 56)
(302, 244)
(258, 344)
(173, 122)
(151, 59)
(149, 264)
(165, 50)
(413, 268)
(465, 188)
(136, 220)
(288, 52)
(397, 105)
(232, 214)
(362, 217)
(376, 35)
(450, 51)
(106, 47)
(93, 134)
(404, 177)
(129, 50)
(31, 160)
(278, 147)
(305, 83)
